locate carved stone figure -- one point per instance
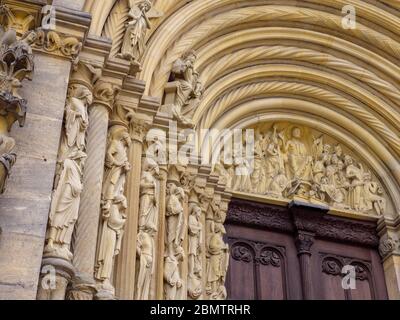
(195, 229)
(257, 177)
(299, 160)
(114, 204)
(68, 181)
(114, 219)
(65, 207)
(172, 277)
(189, 86)
(217, 264)
(133, 45)
(175, 219)
(148, 226)
(7, 159)
(373, 198)
(76, 120)
(148, 216)
(145, 252)
(116, 163)
(355, 175)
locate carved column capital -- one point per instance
(104, 94)
(389, 231)
(389, 246)
(304, 241)
(138, 129)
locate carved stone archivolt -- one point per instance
(296, 162)
(16, 65)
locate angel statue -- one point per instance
(139, 15)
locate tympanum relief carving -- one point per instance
(296, 162)
(16, 65)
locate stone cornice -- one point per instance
(95, 51)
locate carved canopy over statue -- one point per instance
(296, 162)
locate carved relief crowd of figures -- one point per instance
(189, 88)
(16, 65)
(114, 204)
(68, 180)
(288, 163)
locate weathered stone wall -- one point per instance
(25, 204)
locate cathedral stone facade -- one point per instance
(96, 95)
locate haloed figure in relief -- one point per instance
(134, 39)
(148, 226)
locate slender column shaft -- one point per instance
(161, 234)
(304, 241)
(126, 265)
(86, 231)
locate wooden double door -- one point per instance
(299, 252)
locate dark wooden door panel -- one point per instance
(265, 261)
(328, 260)
(268, 242)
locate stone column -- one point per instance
(85, 236)
(126, 266)
(304, 241)
(140, 121)
(57, 257)
(389, 249)
(302, 214)
(161, 233)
